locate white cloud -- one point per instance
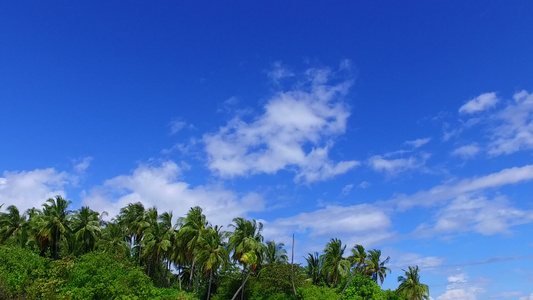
(402, 260)
(364, 185)
(418, 142)
(29, 189)
(445, 192)
(279, 72)
(459, 288)
(306, 117)
(359, 224)
(346, 190)
(81, 165)
(176, 126)
(478, 214)
(530, 297)
(467, 151)
(514, 131)
(160, 186)
(395, 166)
(480, 103)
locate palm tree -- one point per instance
(375, 267)
(133, 219)
(335, 265)
(157, 240)
(411, 287)
(211, 253)
(12, 224)
(275, 254)
(56, 222)
(314, 267)
(194, 225)
(358, 257)
(87, 229)
(114, 238)
(246, 242)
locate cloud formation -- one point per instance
(160, 186)
(467, 151)
(294, 132)
(480, 103)
(29, 189)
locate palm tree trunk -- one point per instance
(191, 271)
(210, 280)
(350, 280)
(242, 286)
(244, 280)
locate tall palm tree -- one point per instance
(376, 267)
(56, 222)
(133, 219)
(86, 225)
(314, 267)
(246, 242)
(358, 257)
(211, 253)
(411, 287)
(335, 265)
(157, 240)
(12, 224)
(114, 238)
(275, 254)
(194, 226)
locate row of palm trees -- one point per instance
(192, 247)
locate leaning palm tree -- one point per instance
(246, 242)
(211, 253)
(335, 265)
(410, 286)
(56, 217)
(275, 254)
(358, 257)
(12, 224)
(375, 267)
(86, 225)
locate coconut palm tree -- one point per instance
(114, 238)
(133, 219)
(194, 225)
(411, 287)
(358, 257)
(86, 225)
(12, 224)
(375, 267)
(335, 265)
(275, 254)
(211, 253)
(314, 267)
(56, 217)
(246, 242)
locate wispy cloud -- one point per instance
(480, 103)
(418, 142)
(445, 192)
(467, 151)
(514, 131)
(394, 166)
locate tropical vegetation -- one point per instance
(54, 252)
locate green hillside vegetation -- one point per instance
(57, 253)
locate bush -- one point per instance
(313, 292)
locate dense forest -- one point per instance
(57, 253)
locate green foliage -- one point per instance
(275, 280)
(313, 292)
(363, 288)
(18, 269)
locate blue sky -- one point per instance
(403, 126)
